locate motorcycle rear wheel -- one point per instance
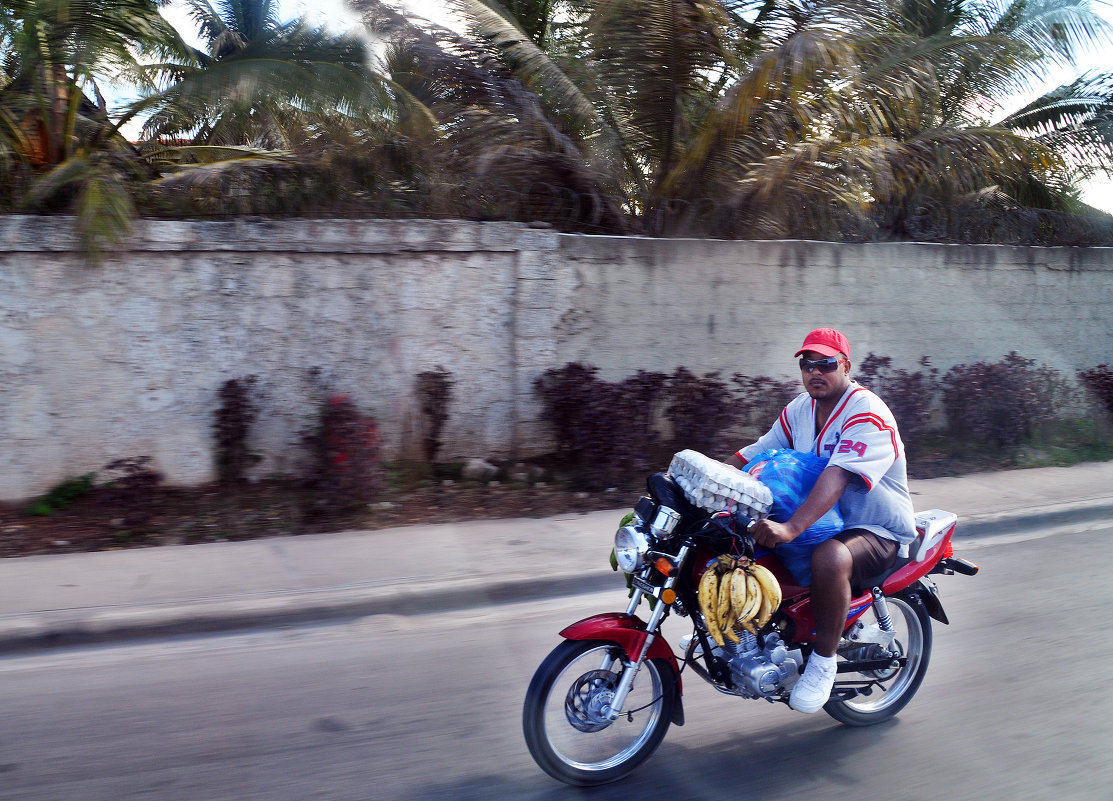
(913, 627)
(565, 730)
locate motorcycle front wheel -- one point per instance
(566, 728)
(890, 690)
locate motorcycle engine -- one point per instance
(760, 672)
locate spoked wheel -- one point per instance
(883, 693)
(566, 726)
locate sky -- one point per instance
(335, 13)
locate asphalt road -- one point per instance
(1017, 704)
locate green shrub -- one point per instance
(344, 469)
(232, 422)
(760, 398)
(909, 396)
(434, 393)
(62, 495)
(604, 431)
(1099, 381)
(997, 404)
(701, 410)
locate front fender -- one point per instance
(628, 631)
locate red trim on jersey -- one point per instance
(877, 421)
(785, 425)
(834, 416)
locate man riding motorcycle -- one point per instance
(866, 477)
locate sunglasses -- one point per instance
(827, 365)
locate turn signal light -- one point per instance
(668, 596)
(665, 567)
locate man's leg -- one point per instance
(832, 565)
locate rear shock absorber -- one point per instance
(881, 609)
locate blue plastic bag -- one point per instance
(790, 476)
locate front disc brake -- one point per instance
(588, 699)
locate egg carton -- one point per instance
(712, 485)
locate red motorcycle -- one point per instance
(601, 702)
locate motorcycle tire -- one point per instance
(913, 626)
(565, 730)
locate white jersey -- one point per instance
(860, 436)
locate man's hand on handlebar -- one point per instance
(771, 534)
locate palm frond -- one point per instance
(105, 213)
(654, 57)
(204, 95)
(210, 25)
(779, 102)
(479, 106)
(12, 135)
(208, 154)
(526, 60)
(206, 175)
(71, 172)
(1058, 29)
(1076, 118)
(1016, 43)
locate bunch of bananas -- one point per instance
(737, 593)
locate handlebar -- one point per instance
(736, 526)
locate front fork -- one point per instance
(626, 683)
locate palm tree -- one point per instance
(480, 141)
(54, 51)
(826, 118)
(833, 126)
(260, 81)
(977, 56)
(59, 142)
(271, 116)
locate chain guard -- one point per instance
(872, 651)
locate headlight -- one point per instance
(630, 548)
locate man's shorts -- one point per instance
(872, 555)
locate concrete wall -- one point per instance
(125, 359)
(745, 306)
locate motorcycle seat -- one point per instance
(876, 581)
(931, 526)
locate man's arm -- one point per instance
(825, 494)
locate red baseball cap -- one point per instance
(827, 341)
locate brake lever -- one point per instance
(745, 523)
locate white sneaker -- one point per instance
(813, 689)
